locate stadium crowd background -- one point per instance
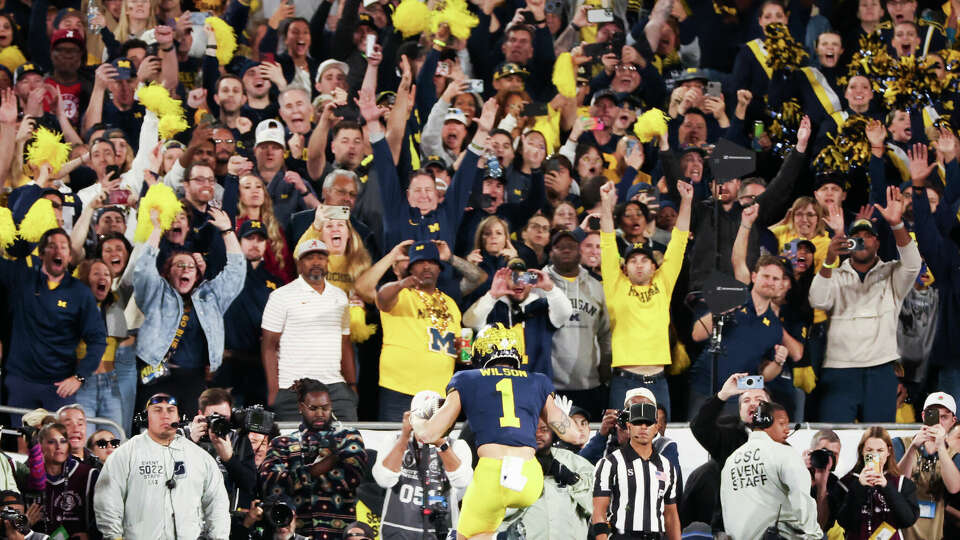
(240, 195)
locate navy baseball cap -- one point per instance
(124, 68)
(862, 225)
(29, 67)
(252, 226)
(423, 251)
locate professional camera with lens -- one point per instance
(15, 518)
(820, 458)
(622, 417)
(254, 419)
(219, 424)
(278, 514)
(251, 419)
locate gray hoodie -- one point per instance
(584, 341)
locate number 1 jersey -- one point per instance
(502, 404)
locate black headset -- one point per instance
(140, 421)
(762, 416)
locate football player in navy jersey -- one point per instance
(503, 404)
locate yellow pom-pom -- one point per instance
(170, 125)
(650, 124)
(565, 76)
(804, 378)
(8, 231)
(40, 218)
(456, 14)
(360, 331)
(161, 197)
(48, 147)
(412, 17)
(12, 57)
(226, 39)
(157, 99)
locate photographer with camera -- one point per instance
(420, 480)
(213, 429)
(16, 523)
(160, 485)
(272, 519)
(821, 460)
(935, 468)
(564, 508)
(764, 487)
(320, 464)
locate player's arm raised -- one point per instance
(560, 422)
(430, 430)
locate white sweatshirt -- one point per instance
(150, 491)
(762, 480)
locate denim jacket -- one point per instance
(162, 306)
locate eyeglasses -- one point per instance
(224, 141)
(185, 266)
(204, 180)
(102, 443)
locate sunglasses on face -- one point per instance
(102, 443)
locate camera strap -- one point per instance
(427, 512)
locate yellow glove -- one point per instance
(681, 360)
(804, 378)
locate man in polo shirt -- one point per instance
(306, 333)
(751, 343)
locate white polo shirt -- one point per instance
(311, 325)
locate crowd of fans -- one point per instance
(696, 206)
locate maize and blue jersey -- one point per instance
(502, 404)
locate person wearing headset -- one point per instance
(764, 484)
(159, 484)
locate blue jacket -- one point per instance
(403, 222)
(48, 324)
(162, 306)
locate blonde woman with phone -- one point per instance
(348, 259)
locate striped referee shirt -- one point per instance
(638, 489)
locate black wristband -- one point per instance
(81, 379)
(599, 528)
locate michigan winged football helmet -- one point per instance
(496, 344)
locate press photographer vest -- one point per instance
(403, 504)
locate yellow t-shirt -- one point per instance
(640, 315)
(419, 342)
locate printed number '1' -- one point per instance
(509, 418)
